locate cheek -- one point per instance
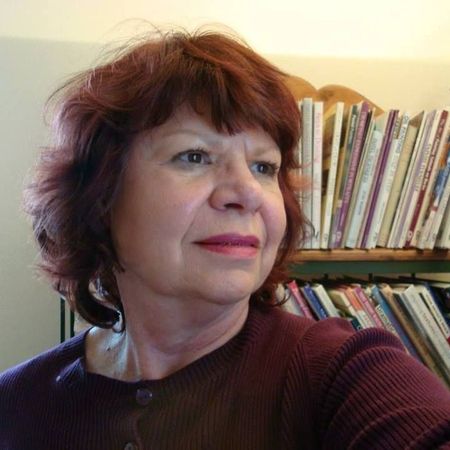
(276, 220)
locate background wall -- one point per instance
(397, 55)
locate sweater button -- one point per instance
(143, 397)
(130, 446)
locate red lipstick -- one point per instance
(232, 244)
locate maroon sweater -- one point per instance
(282, 383)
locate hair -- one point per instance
(96, 116)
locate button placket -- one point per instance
(131, 446)
(144, 396)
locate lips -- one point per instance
(232, 240)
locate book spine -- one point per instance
(307, 161)
(342, 175)
(421, 314)
(403, 206)
(397, 186)
(364, 189)
(438, 201)
(426, 182)
(331, 176)
(386, 185)
(368, 307)
(443, 238)
(313, 302)
(425, 293)
(399, 331)
(354, 159)
(379, 171)
(293, 288)
(417, 175)
(410, 325)
(325, 300)
(317, 173)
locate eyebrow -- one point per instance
(212, 137)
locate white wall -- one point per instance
(345, 28)
(398, 57)
(29, 70)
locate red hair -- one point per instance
(98, 115)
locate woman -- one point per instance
(166, 213)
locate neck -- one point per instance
(159, 340)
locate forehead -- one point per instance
(187, 123)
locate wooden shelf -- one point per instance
(370, 261)
(371, 255)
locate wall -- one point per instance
(29, 70)
(31, 67)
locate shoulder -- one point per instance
(40, 370)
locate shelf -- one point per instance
(371, 261)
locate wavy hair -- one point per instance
(96, 116)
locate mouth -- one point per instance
(232, 240)
(233, 245)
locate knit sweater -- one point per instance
(282, 383)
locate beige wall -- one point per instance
(31, 68)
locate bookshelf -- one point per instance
(361, 147)
(359, 261)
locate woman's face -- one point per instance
(200, 214)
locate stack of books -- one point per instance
(417, 311)
(375, 179)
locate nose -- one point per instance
(238, 189)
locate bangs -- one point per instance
(214, 75)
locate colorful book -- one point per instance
(426, 324)
(374, 205)
(404, 203)
(363, 188)
(398, 183)
(302, 303)
(438, 201)
(344, 158)
(333, 121)
(392, 322)
(313, 302)
(317, 173)
(307, 162)
(325, 300)
(437, 147)
(349, 176)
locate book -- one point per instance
(400, 175)
(363, 186)
(391, 322)
(375, 205)
(313, 302)
(317, 173)
(290, 305)
(417, 177)
(307, 162)
(344, 157)
(425, 324)
(443, 236)
(343, 304)
(429, 176)
(333, 121)
(354, 154)
(438, 201)
(367, 305)
(425, 293)
(297, 295)
(325, 300)
(404, 201)
(407, 323)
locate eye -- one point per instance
(193, 156)
(265, 168)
